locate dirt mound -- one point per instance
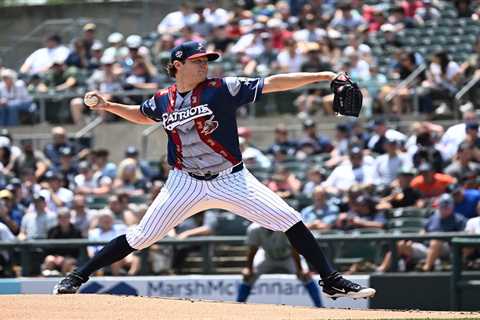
(92, 307)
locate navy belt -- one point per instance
(210, 176)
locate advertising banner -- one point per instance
(272, 289)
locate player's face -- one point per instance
(196, 68)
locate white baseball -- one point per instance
(90, 101)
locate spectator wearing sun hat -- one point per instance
(136, 51)
(116, 48)
(13, 215)
(88, 38)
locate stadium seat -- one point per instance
(367, 231)
(294, 203)
(355, 252)
(97, 202)
(402, 230)
(143, 199)
(410, 212)
(303, 201)
(406, 222)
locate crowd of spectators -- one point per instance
(351, 183)
(355, 182)
(256, 38)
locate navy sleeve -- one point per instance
(241, 91)
(149, 109)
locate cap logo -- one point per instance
(201, 47)
(179, 54)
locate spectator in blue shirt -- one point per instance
(318, 143)
(362, 214)
(322, 214)
(281, 141)
(466, 200)
(445, 219)
(59, 141)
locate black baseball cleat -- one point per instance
(336, 286)
(70, 284)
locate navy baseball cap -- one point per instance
(191, 50)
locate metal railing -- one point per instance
(207, 243)
(145, 138)
(467, 87)
(89, 127)
(405, 82)
(457, 284)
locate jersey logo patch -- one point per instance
(214, 83)
(209, 126)
(245, 81)
(171, 120)
(151, 104)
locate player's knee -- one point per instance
(138, 239)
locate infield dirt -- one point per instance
(107, 307)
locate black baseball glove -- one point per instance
(347, 99)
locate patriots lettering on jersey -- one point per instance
(171, 120)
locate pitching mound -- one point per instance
(93, 307)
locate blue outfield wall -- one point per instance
(10, 286)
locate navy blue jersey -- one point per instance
(211, 112)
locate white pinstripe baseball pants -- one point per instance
(183, 196)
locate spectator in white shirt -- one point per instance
(37, 221)
(455, 135)
(214, 15)
(359, 68)
(55, 195)
(290, 59)
(176, 20)
(250, 43)
(42, 59)
(81, 216)
(252, 156)
(311, 32)
(14, 98)
(116, 49)
(472, 227)
(388, 165)
(5, 235)
(354, 171)
(346, 20)
(355, 46)
(87, 183)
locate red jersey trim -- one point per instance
(200, 122)
(172, 95)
